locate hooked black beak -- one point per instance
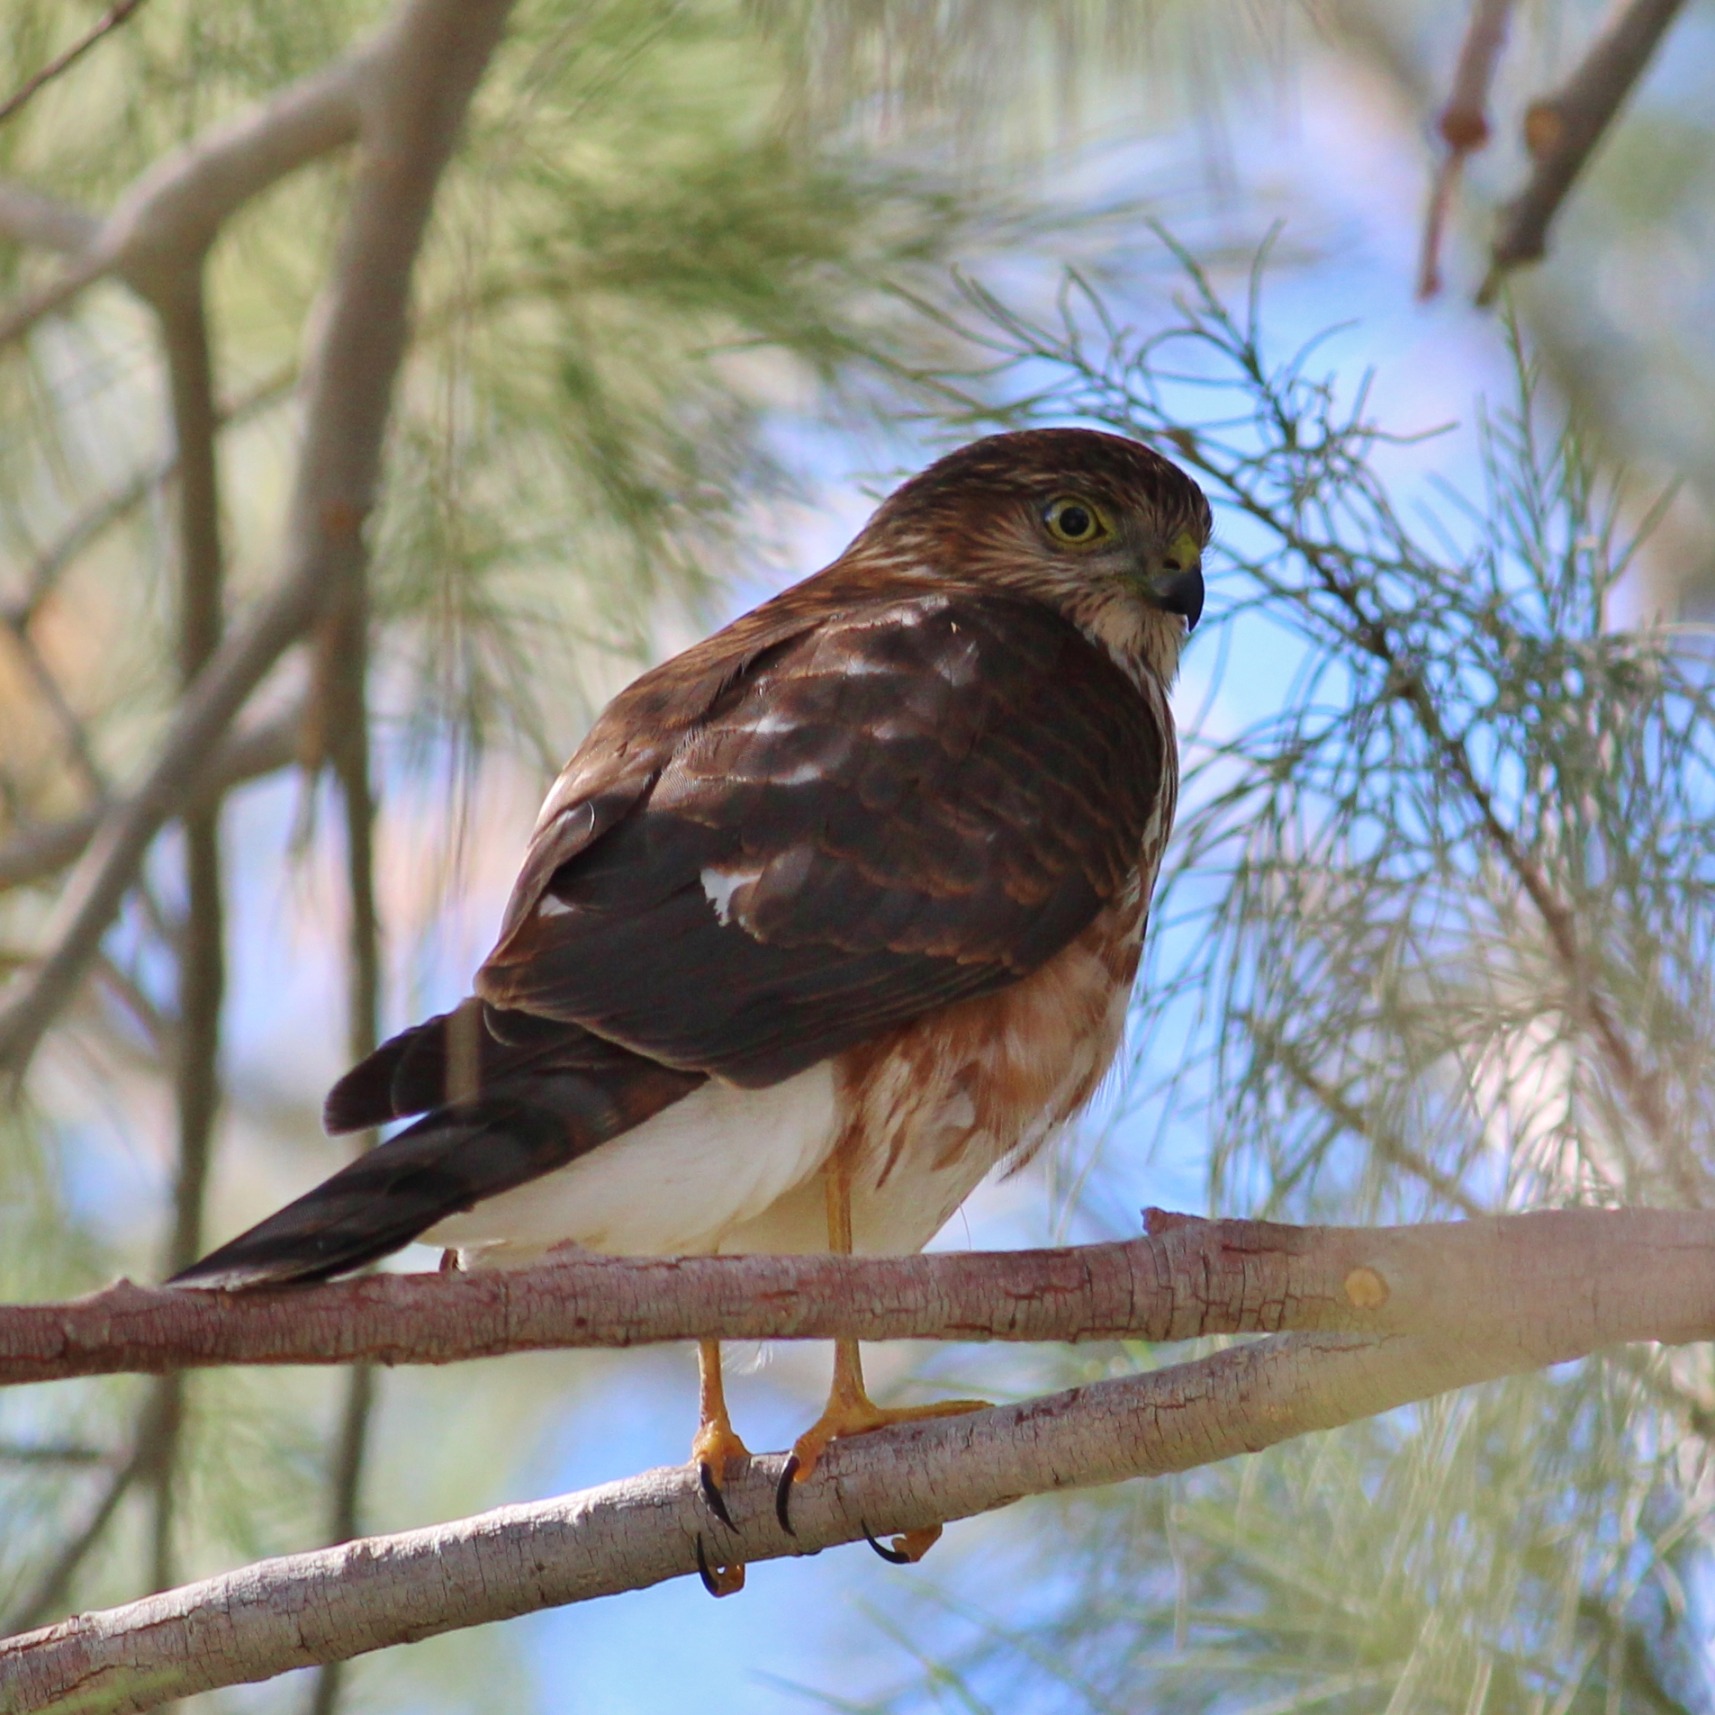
(1181, 591)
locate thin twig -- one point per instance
(1463, 125)
(1561, 131)
(49, 1592)
(51, 1453)
(36, 854)
(1390, 1147)
(52, 693)
(110, 20)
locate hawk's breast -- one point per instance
(929, 1109)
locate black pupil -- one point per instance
(1074, 522)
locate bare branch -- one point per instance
(111, 19)
(201, 945)
(52, 693)
(336, 1603)
(1561, 131)
(47, 1594)
(36, 305)
(1605, 1275)
(436, 53)
(345, 672)
(29, 217)
(1464, 126)
(175, 210)
(36, 854)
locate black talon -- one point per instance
(713, 1499)
(707, 1573)
(893, 1556)
(783, 1494)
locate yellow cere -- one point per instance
(1185, 550)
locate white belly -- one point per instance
(676, 1185)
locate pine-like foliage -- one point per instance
(1438, 940)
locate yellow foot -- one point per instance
(718, 1455)
(860, 1416)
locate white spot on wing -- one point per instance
(552, 907)
(765, 724)
(719, 885)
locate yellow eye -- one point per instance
(1075, 522)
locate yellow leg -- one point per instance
(850, 1410)
(716, 1453)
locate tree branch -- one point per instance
(1608, 1275)
(36, 853)
(1561, 131)
(202, 940)
(174, 211)
(336, 1603)
(345, 661)
(29, 217)
(436, 52)
(1464, 126)
(111, 19)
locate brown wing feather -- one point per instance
(912, 802)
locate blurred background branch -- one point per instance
(1561, 130)
(63, 61)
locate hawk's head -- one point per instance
(1100, 527)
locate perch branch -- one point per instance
(1614, 1274)
(340, 1602)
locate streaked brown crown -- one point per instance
(1037, 465)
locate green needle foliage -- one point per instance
(1438, 939)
